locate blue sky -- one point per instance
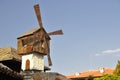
(91, 30)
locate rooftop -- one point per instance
(8, 53)
(9, 72)
(93, 73)
(30, 32)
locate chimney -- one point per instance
(77, 74)
(101, 69)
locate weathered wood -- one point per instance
(37, 11)
(34, 42)
(57, 32)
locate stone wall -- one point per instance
(37, 75)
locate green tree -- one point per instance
(117, 69)
(108, 77)
(89, 77)
(114, 76)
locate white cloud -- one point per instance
(98, 54)
(113, 51)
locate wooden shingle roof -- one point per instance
(30, 32)
(9, 53)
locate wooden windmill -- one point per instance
(36, 41)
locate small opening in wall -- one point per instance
(27, 66)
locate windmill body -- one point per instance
(34, 45)
(33, 41)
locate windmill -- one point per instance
(37, 40)
(58, 32)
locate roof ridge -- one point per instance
(95, 70)
(29, 32)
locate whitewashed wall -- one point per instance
(36, 61)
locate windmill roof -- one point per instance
(93, 73)
(30, 32)
(9, 53)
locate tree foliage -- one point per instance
(108, 77)
(114, 76)
(117, 69)
(90, 77)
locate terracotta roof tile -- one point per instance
(94, 73)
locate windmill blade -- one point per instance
(48, 52)
(58, 32)
(49, 60)
(37, 11)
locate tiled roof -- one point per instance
(93, 73)
(9, 53)
(6, 70)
